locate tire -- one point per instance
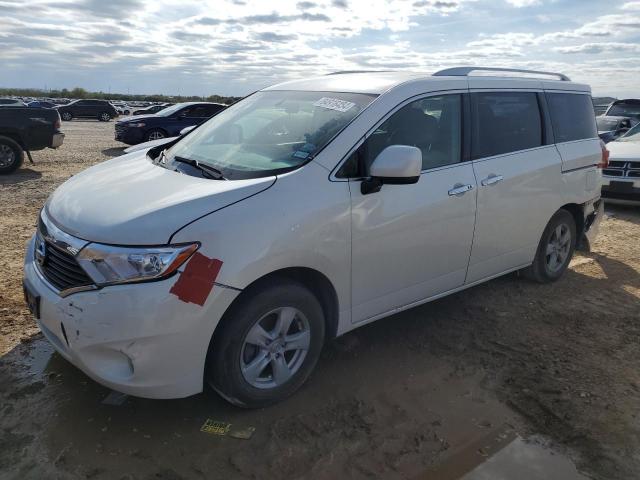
(127, 112)
(155, 134)
(554, 250)
(66, 116)
(11, 156)
(104, 116)
(232, 354)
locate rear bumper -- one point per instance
(57, 140)
(592, 225)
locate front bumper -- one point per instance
(130, 136)
(621, 190)
(57, 140)
(137, 339)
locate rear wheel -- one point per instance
(267, 346)
(66, 116)
(555, 249)
(10, 156)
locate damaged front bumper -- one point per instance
(138, 339)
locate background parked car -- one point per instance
(21, 131)
(100, 109)
(610, 128)
(629, 107)
(41, 103)
(122, 108)
(621, 178)
(151, 109)
(11, 101)
(166, 123)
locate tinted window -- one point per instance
(505, 122)
(572, 116)
(433, 124)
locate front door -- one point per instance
(411, 242)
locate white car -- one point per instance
(621, 178)
(122, 108)
(306, 210)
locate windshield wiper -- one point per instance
(211, 172)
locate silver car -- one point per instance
(229, 256)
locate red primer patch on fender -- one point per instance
(197, 279)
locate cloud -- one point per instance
(523, 3)
(596, 48)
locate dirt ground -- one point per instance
(417, 395)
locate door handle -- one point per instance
(459, 189)
(491, 180)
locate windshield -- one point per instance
(169, 110)
(633, 135)
(625, 110)
(269, 132)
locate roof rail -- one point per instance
(465, 71)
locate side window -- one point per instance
(210, 110)
(432, 124)
(504, 122)
(572, 116)
(197, 111)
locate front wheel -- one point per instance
(555, 249)
(267, 346)
(155, 134)
(104, 117)
(66, 116)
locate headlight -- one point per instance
(107, 265)
(136, 125)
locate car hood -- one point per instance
(624, 150)
(137, 118)
(131, 201)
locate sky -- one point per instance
(233, 47)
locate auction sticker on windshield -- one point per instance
(334, 104)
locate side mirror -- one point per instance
(395, 165)
(186, 130)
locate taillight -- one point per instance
(604, 161)
(57, 124)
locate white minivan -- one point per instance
(228, 256)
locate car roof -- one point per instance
(378, 82)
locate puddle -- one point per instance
(504, 455)
(525, 460)
(39, 357)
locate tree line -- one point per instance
(82, 93)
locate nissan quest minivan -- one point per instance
(230, 255)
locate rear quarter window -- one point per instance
(572, 116)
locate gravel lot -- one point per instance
(423, 391)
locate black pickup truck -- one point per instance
(25, 129)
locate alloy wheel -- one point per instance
(156, 135)
(558, 247)
(275, 348)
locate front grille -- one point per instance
(62, 269)
(119, 129)
(622, 168)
